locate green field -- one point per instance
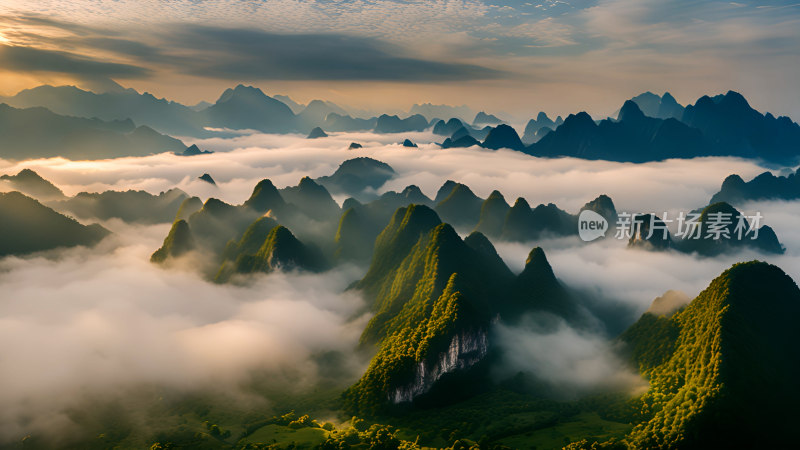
(301, 438)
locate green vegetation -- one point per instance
(265, 197)
(461, 207)
(493, 213)
(189, 206)
(433, 302)
(178, 242)
(733, 371)
(352, 239)
(279, 249)
(425, 295)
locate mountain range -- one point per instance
(39, 133)
(721, 369)
(434, 297)
(724, 125)
(766, 186)
(83, 124)
(349, 231)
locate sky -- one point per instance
(512, 58)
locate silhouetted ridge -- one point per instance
(765, 186)
(317, 133)
(503, 136)
(630, 112)
(31, 183)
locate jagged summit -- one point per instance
(630, 112)
(483, 118)
(207, 178)
(241, 92)
(193, 150)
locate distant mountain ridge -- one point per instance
(765, 186)
(39, 133)
(723, 126)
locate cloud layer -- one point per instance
(106, 320)
(519, 56)
(96, 322)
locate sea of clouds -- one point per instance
(83, 320)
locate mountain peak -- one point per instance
(178, 242)
(240, 91)
(444, 190)
(265, 196)
(734, 99)
(733, 181)
(316, 133)
(630, 111)
(496, 195)
(503, 136)
(579, 120)
(207, 178)
(537, 261)
(484, 118)
(725, 364)
(521, 203)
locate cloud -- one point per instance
(258, 55)
(570, 362)
(109, 321)
(553, 56)
(606, 270)
(239, 163)
(101, 323)
(29, 59)
(33, 19)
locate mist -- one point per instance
(569, 362)
(240, 162)
(86, 323)
(83, 322)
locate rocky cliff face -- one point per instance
(466, 349)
